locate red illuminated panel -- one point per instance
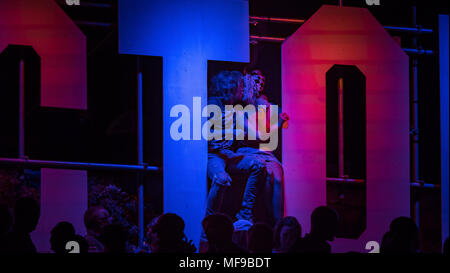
(57, 40)
(61, 46)
(346, 36)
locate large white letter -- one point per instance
(186, 34)
(184, 122)
(215, 122)
(272, 135)
(240, 121)
(196, 118)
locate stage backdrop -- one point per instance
(353, 37)
(61, 46)
(186, 34)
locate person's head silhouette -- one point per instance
(26, 215)
(96, 218)
(287, 232)
(169, 227)
(324, 223)
(5, 220)
(218, 229)
(83, 243)
(62, 233)
(114, 238)
(260, 238)
(402, 237)
(170, 237)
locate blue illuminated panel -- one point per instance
(186, 34)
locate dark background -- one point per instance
(110, 122)
(106, 132)
(111, 77)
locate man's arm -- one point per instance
(216, 170)
(282, 117)
(252, 127)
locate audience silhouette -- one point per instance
(260, 238)
(402, 237)
(287, 232)
(96, 218)
(219, 232)
(26, 217)
(324, 224)
(83, 243)
(170, 238)
(62, 233)
(5, 220)
(240, 232)
(114, 238)
(166, 233)
(5, 226)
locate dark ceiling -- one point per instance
(98, 18)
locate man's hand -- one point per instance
(222, 178)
